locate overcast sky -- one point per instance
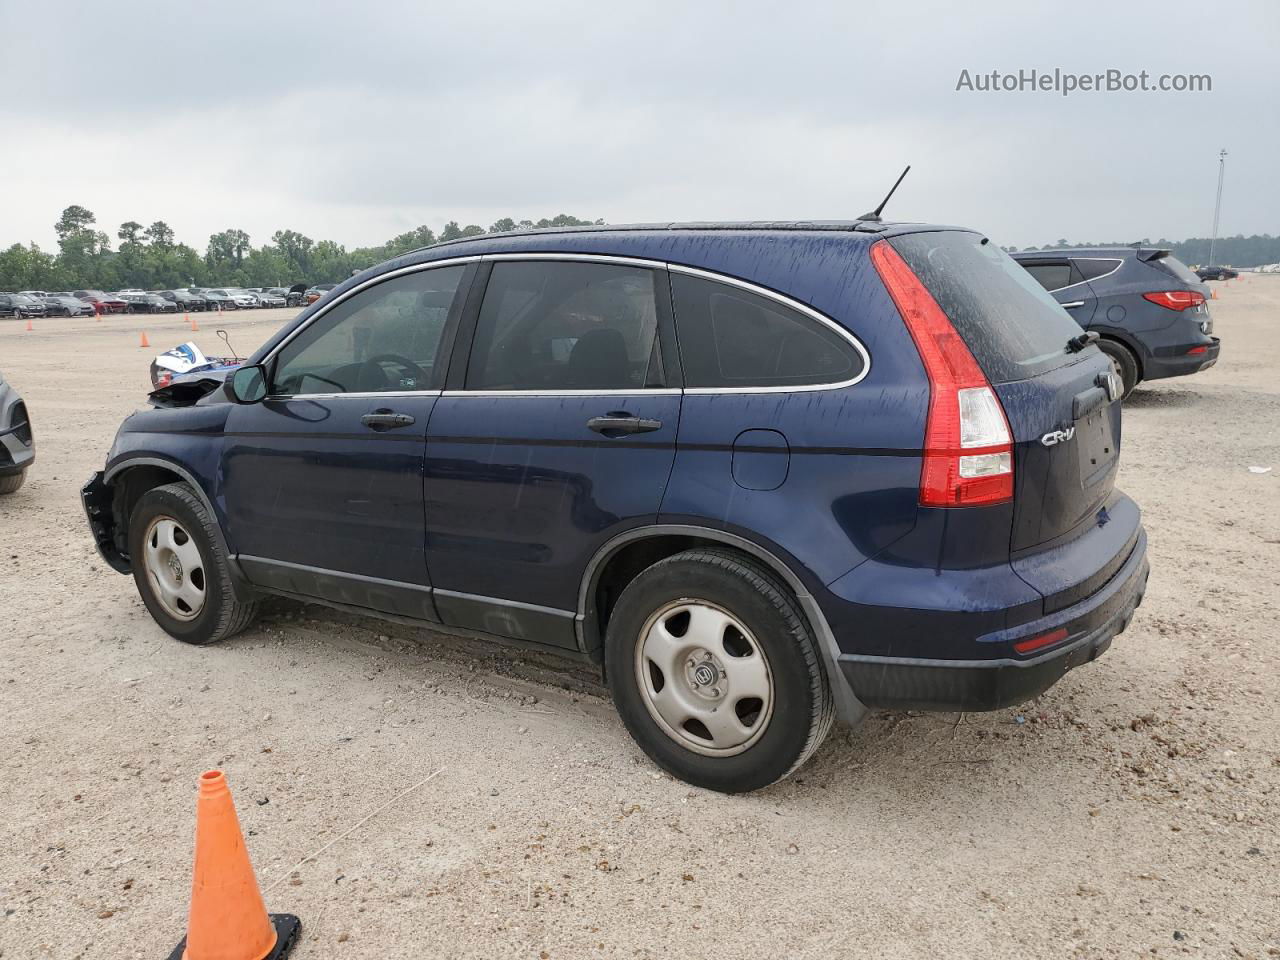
(355, 123)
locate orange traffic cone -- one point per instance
(192, 320)
(1213, 295)
(228, 920)
(145, 342)
(29, 326)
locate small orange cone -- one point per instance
(29, 326)
(1213, 295)
(192, 320)
(228, 920)
(145, 342)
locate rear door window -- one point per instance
(1010, 323)
(732, 338)
(1050, 274)
(564, 325)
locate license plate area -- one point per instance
(1095, 445)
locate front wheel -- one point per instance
(180, 568)
(715, 672)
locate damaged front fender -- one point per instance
(98, 500)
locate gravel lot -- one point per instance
(1132, 810)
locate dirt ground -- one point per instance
(1134, 809)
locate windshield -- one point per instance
(1013, 327)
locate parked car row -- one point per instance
(80, 303)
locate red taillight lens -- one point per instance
(968, 449)
(1197, 350)
(1175, 299)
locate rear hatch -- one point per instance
(1064, 422)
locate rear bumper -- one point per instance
(1003, 681)
(1176, 362)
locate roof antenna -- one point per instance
(874, 215)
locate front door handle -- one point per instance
(1073, 304)
(386, 420)
(621, 424)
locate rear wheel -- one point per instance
(1123, 363)
(715, 672)
(11, 483)
(180, 568)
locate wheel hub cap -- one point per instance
(704, 678)
(174, 568)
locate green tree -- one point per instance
(160, 234)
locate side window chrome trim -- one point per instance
(791, 304)
(711, 275)
(1118, 265)
(638, 392)
(371, 282)
(366, 395)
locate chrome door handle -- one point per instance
(1073, 304)
(386, 420)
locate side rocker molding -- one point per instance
(243, 591)
(849, 708)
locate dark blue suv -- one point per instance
(764, 474)
(1150, 311)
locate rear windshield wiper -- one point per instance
(1076, 344)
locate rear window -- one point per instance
(1014, 328)
(1175, 268)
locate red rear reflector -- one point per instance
(1042, 641)
(1195, 350)
(968, 449)
(1175, 299)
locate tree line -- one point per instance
(151, 258)
(1237, 251)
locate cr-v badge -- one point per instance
(1054, 437)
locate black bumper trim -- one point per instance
(999, 682)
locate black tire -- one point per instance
(1123, 361)
(802, 705)
(221, 615)
(11, 483)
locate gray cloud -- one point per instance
(357, 123)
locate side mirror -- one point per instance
(248, 384)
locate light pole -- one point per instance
(1217, 207)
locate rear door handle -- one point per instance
(386, 420)
(620, 424)
(1073, 304)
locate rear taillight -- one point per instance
(1175, 299)
(968, 450)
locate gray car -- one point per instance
(17, 444)
(1151, 313)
